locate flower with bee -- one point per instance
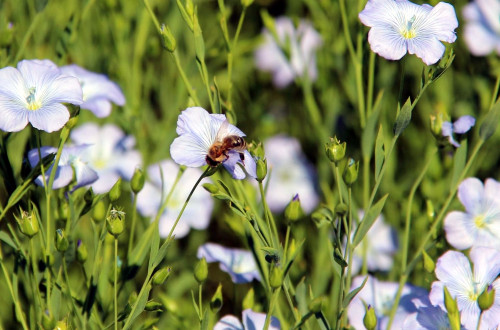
(209, 139)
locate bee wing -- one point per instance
(223, 131)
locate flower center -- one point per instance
(33, 104)
(479, 221)
(408, 32)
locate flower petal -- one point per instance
(427, 47)
(188, 150)
(471, 194)
(387, 43)
(100, 107)
(49, 118)
(14, 117)
(62, 89)
(460, 230)
(198, 122)
(254, 320)
(12, 86)
(229, 322)
(463, 124)
(442, 22)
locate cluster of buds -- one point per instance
(335, 151)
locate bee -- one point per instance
(225, 142)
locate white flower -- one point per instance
(460, 126)
(239, 264)
(198, 131)
(251, 321)
(71, 165)
(398, 27)
(293, 55)
(482, 31)
(33, 93)
(111, 153)
(290, 173)
(198, 211)
(453, 271)
(479, 225)
(98, 90)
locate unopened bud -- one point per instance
(335, 151)
(99, 211)
(167, 39)
(48, 322)
(116, 191)
(153, 306)
(162, 275)
(429, 210)
(487, 298)
(115, 222)
(341, 209)
(246, 3)
(261, 169)
(276, 278)
(211, 188)
(61, 325)
(291, 250)
(293, 211)
(62, 242)
(138, 179)
(201, 271)
(28, 223)
(316, 305)
(216, 301)
(81, 251)
(429, 264)
(249, 299)
(189, 7)
(351, 172)
(452, 309)
(370, 319)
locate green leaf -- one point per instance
(162, 252)
(6, 238)
(379, 152)
(139, 305)
(217, 98)
(403, 119)
(368, 221)
(459, 162)
(292, 258)
(350, 296)
(368, 135)
(185, 15)
(336, 266)
(155, 244)
(490, 122)
(143, 246)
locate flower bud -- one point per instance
(189, 7)
(99, 211)
(351, 172)
(291, 250)
(437, 124)
(316, 305)
(216, 301)
(116, 191)
(246, 3)
(249, 299)
(62, 242)
(449, 302)
(335, 151)
(370, 319)
(429, 211)
(153, 306)
(48, 322)
(61, 325)
(162, 275)
(201, 271)
(276, 278)
(115, 222)
(72, 122)
(429, 264)
(341, 209)
(81, 251)
(487, 298)
(261, 169)
(138, 179)
(167, 39)
(293, 211)
(211, 188)
(28, 223)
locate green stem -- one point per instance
(230, 58)
(337, 180)
(132, 229)
(312, 108)
(273, 302)
(371, 79)
(271, 226)
(349, 249)
(200, 302)
(115, 259)
(68, 287)
(495, 92)
(15, 300)
(191, 91)
(153, 16)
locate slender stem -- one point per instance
(200, 302)
(115, 259)
(371, 79)
(230, 58)
(366, 182)
(273, 302)
(68, 288)
(132, 229)
(271, 226)
(27, 35)
(347, 285)
(337, 180)
(153, 16)
(479, 320)
(312, 108)
(191, 91)
(495, 92)
(34, 267)
(19, 311)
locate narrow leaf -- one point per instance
(368, 220)
(403, 119)
(350, 296)
(379, 152)
(368, 135)
(459, 162)
(490, 122)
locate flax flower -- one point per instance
(482, 30)
(198, 131)
(198, 211)
(98, 90)
(460, 126)
(398, 27)
(453, 270)
(33, 93)
(479, 225)
(251, 321)
(238, 263)
(292, 55)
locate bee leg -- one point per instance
(242, 158)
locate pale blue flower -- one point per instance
(251, 321)
(427, 317)
(398, 27)
(290, 173)
(460, 126)
(482, 30)
(453, 270)
(198, 130)
(239, 264)
(111, 153)
(33, 93)
(380, 295)
(71, 165)
(198, 211)
(479, 225)
(380, 244)
(299, 43)
(98, 90)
